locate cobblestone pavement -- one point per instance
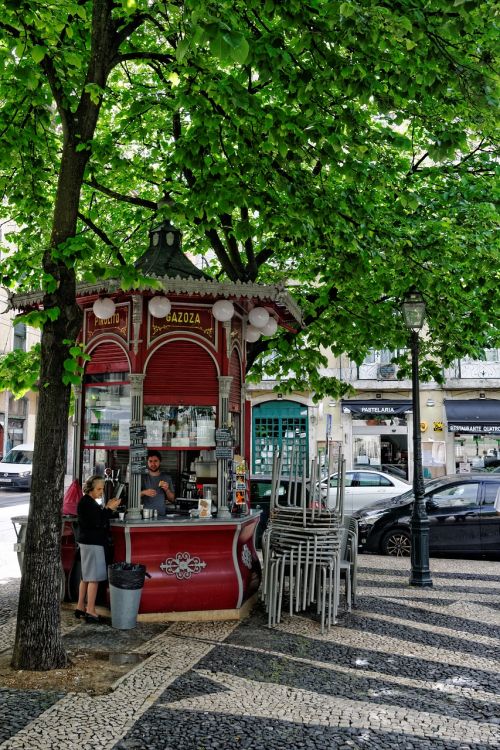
(408, 668)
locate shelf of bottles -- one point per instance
(238, 487)
(169, 426)
(107, 414)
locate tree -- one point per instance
(347, 146)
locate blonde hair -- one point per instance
(91, 482)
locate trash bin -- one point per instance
(126, 581)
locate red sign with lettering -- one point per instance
(117, 323)
(184, 318)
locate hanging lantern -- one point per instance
(223, 310)
(159, 307)
(258, 317)
(103, 308)
(270, 328)
(252, 334)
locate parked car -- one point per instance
(16, 467)
(365, 486)
(396, 471)
(463, 512)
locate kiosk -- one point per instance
(167, 371)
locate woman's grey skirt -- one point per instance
(93, 562)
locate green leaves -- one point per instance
(19, 371)
(226, 44)
(38, 53)
(347, 147)
(74, 364)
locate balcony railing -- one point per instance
(473, 370)
(377, 371)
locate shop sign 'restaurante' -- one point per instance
(473, 427)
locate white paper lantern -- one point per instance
(159, 307)
(258, 317)
(103, 308)
(223, 310)
(270, 328)
(252, 334)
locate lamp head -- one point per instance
(103, 308)
(159, 307)
(414, 310)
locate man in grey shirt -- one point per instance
(157, 487)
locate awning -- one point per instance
(473, 416)
(390, 407)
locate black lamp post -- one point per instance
(414, 315)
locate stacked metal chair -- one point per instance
(349, 559)
(302, 545)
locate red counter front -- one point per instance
(194, 564)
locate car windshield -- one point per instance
(16, 456)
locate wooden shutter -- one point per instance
(108, 357)
(181, 372)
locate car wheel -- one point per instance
(397, 543)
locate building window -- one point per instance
(19, 337)
(18, 407)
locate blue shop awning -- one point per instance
(389, 407)
(474, 416)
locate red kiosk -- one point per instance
(167, 371)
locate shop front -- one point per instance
(379, 434)
(474, 426)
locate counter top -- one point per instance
(174, 519)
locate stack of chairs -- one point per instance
(306, 546)
(349, 559)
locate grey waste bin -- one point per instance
(126, 581)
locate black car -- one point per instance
(463, 512)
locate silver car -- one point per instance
(364, 486)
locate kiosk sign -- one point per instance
(138, 450)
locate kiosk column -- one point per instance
(136, 393)
(77, 434)
(224, 390)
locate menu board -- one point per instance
(138, 450)
(138, 460)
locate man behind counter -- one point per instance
(157, 487)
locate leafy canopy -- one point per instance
(346, 147)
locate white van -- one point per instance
(16, 468)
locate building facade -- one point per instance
(459, 420)
(17, 416)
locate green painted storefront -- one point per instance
(279, 424)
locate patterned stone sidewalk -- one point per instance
(408, 668)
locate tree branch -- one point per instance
(102, 236)
(156, 56)
(119, 197)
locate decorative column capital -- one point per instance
(136, 382)
(225, 385)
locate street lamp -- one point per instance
(414, 315)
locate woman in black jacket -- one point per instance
(93, 529)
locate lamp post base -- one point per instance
(420, 573)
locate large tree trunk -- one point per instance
(38, 644)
